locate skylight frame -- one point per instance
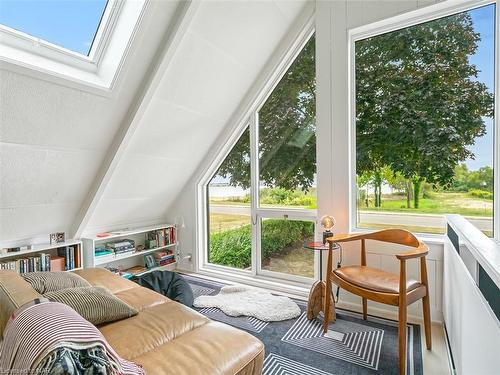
(21, 40)
(96, 73)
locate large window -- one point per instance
(424, 123)
(262, 199)
(229, 219)
(69, 24)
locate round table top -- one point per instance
(320, 246)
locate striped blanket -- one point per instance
(50, 338)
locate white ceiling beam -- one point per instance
(161, 61)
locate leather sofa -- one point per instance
(165, 337)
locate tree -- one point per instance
(461, 178)
(418, 104)
(287, 127)
(236, 166)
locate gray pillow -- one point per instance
(96, 304)
(44, 282)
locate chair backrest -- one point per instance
(397, 236)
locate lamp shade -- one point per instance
(328, 222)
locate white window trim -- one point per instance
(250, 119)
(21, 52)
(398, 22)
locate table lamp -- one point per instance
(327, 222)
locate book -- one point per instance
(102, 253)
(57, 263)
(136, 270)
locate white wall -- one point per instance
(54, 136)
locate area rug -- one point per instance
(299, 347)
(240, 300)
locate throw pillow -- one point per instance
(95, 304)
(44, 282)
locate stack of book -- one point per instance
(121, 246)
(162, 237)
(69, 253)
(101, 251)
(37, 263)
(164, 258)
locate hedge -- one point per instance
(234, 247)
(484, 194)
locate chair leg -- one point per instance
(402, 339)
(327, 305)
(427, 321)
(365, 308)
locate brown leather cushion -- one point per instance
(213, 348)
(373, 279)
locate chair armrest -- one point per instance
(419, 252)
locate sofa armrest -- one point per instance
(14, 292)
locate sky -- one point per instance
(71, 24)
(484, 23)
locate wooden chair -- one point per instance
(381, 286)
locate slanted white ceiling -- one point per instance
(225, 47)
(57, 139)
(54, 136)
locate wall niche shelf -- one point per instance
(63, 256)
(158, 243)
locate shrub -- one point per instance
(234, 247)
(429, 194)
(477, 193)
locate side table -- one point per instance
(316, 301)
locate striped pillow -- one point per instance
(44, 282)
(96, 304)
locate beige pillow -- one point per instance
(96, 304)
(44, 282)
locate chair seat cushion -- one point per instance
(374, 279)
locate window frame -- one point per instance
(399, 22)
(250, 119)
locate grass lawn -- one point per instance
(298, 261)
(440, 203)
(223, 222)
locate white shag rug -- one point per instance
(237, 300)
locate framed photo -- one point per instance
(57, 237)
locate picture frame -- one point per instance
(57, 237)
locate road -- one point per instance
(387, 218)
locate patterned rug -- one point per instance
(299, 347)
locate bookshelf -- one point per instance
(156, 240)
(63, 256)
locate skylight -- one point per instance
(69, 24)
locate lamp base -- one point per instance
(327, 234)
